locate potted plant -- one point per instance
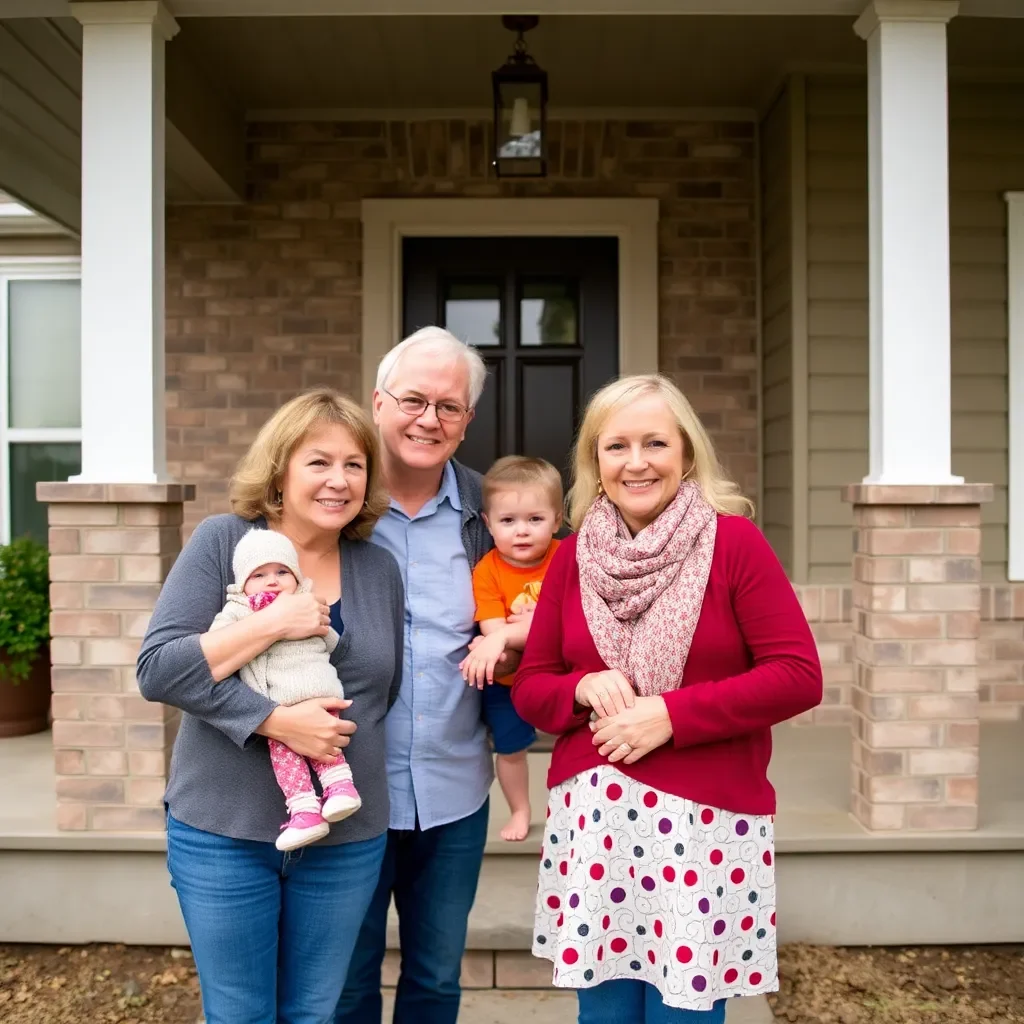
(24, 637)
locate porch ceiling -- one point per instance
(435, 62)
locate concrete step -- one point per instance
(552, 1006)
(502, 917)
(543, 742)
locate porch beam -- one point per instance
(908, 189)
(258, 8)
(123, 429)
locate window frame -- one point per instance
(37, 268)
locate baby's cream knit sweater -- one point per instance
(288, 671)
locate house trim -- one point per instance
(798, 313)
(18, 221)
(127, 12)
(1015, 364)
(634, 222)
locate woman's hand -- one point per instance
(608, 693)
(311, 728)
(297, 616)
(630, 734)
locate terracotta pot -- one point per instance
(25, 706)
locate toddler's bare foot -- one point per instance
(518, 827)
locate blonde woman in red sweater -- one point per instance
(666, 644)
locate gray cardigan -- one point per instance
(221, 780)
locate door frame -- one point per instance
(634, 222)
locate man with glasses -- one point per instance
(438, 756)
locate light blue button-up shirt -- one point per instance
(438, 758)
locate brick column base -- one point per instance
(111, 547)
(916, 619)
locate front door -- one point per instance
(543, 313)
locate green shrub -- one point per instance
(24, 606)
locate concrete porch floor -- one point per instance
(810, 769)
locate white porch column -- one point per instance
(909, 240)
(917, 528)
(123, 428)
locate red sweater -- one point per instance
(753, 663)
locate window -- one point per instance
(40, 386)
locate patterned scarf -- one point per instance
(642, 595)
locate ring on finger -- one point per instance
(628, 747)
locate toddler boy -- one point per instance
(522, 507)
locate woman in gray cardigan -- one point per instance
(271, 932)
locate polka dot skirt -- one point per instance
(636, 883)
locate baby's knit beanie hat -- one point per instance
(260, 547)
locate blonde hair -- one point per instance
(256, 485)
(515, 471)
(705, 470)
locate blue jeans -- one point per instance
(272, 933)
(622, 1000)
(433, 875)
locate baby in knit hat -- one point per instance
(265, 566)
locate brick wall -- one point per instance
(264, 299)
(111, 545)
(1000, 650)
(829, 611)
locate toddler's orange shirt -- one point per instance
(501, 589)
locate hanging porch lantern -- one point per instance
(520, 108)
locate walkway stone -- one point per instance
(513, 1006)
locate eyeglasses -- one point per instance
(417, 405)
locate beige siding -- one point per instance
(776, 312)
(837, 317)
(986, 130)
(986, 159)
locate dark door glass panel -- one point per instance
(472, 311)
(548, 313)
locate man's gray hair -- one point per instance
(442, 343)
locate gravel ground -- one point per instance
(923, 985)
(97, 985)
(820, 985)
